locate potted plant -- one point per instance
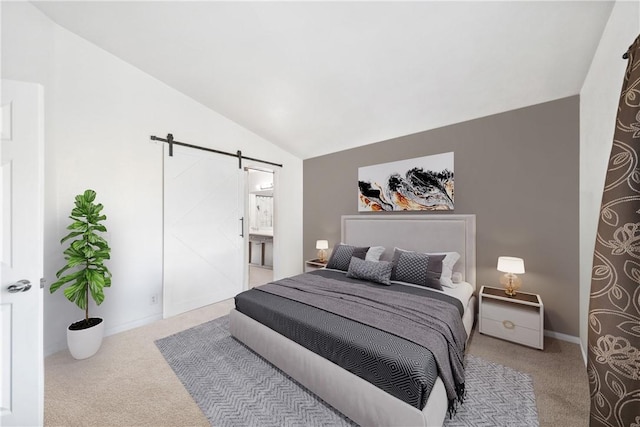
(85, 273)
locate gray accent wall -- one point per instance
(518, 172)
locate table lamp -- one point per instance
(322, 246)
(511, 266)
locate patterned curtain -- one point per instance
(614, 307)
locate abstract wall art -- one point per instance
(420, 184)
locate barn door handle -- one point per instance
(242, 227)
(20, 286)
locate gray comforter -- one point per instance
(430, 323)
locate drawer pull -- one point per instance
(508, 324)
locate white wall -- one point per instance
(99, 114)
(598, 107)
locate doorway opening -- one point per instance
(260, 221)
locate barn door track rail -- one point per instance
(169, 140)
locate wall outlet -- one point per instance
(154, 299)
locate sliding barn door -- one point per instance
(203, 246)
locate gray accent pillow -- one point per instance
(417, 268)
(373, 271)
(341, 256)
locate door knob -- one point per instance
(20, 286)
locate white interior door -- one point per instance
(203, 231)
(21, 163)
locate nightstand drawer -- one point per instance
(523, 316)
(511, 332)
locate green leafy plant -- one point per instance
(85, 255)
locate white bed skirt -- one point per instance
(356, 398)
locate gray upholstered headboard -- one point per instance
(424, 233)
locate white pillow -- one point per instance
(374, 253)
(447, 268)
(456, 278)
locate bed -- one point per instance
(357, 398)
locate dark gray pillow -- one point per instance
(341, 256)
(417, 268)
(373, 271)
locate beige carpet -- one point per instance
(259, 275)
(128, 383)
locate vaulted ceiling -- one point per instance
(319, 77)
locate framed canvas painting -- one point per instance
(420, 184)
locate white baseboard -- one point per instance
(584, 354)
(563, 337)
(55, 347)
(131, 325)
(62, 344)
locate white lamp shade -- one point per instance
(509, 264)
(322, 244)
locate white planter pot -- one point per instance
(85, 343)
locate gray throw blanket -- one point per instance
(433, 324)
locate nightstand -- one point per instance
(314, 264)
(519, 319)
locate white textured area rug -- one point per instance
(234, 386)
